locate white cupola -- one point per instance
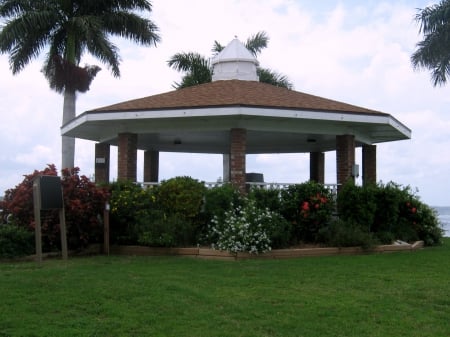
(234, 62)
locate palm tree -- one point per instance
(70, 28)
(198, 69)
(433, 52)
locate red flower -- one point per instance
(305, 206)
(413, 210)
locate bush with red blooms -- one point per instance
(83, 203)
(309, 207)
(389, 212)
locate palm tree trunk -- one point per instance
(68, 143)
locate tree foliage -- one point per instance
(433, 52)
(70, 29)
(198, 70)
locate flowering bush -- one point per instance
(390, 212)
(243, 229)
(308, 207)
(83, 203)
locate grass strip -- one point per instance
(398, 294)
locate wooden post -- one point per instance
(62, 224)
(106, 229)
(37, 221)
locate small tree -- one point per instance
(83, 202)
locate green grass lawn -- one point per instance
(399, 294)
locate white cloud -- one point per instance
(35, 156)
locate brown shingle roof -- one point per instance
(235, 93)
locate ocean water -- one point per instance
(444, 217)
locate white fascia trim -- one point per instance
(237, 111)
(74, 123)
(396, 124)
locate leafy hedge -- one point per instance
(15, 241)
(163, 216)
(389, 212)
(182, 212)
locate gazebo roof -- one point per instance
(198, 119)
(235, 93)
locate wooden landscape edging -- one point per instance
(207, 253)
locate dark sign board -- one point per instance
(50, 192)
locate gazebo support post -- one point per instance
(369, 164)
(151, 166)
(345, 158)
(102, 157)
(317, 167)
(238, 144)
(226, 167)
(127, 156)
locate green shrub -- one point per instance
(266, 198)
(279, 231)
(342, 233)
(158, 230)
(357, 204)
(309, 207)
(129, 202)
(389, 199)
(15, 241)
(182, 196)
(219, 199)
(167, 215)
(390, 211)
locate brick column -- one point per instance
(369, 164)
(102, 155)
(345, 158)
(127, 156)
(151, 166)
(238, 142)
(317, 167)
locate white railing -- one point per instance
(279, 186)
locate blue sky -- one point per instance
(352, 51)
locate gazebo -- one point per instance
(235, 115)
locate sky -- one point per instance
(356, 52)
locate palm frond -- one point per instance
(256, 43)
(187, 61)
(196, 67)
(433, 52)
(217, 47)
(132, 27)
(272, 77)
(71, 28)
(433, 17)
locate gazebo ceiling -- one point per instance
(199, 119)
